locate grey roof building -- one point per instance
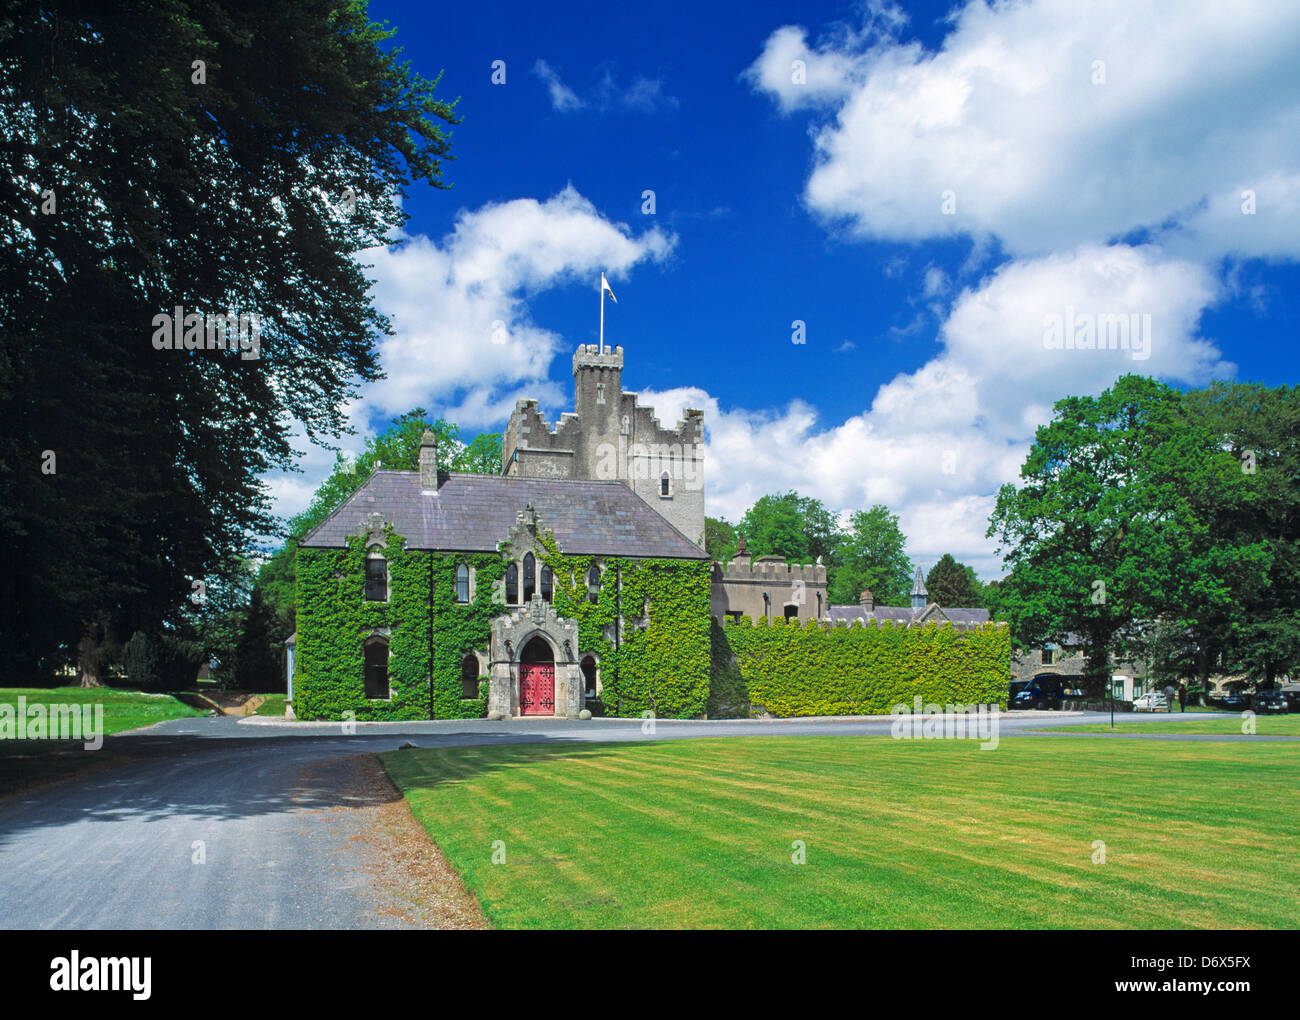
(473, 513)
(918, 613)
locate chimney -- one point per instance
(428, 462)
(867, 601)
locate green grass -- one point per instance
(1270, 725)
(123, 709)
(273, 705)
(917, 834)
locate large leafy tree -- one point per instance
(798, 528)
(720, 540)
(210, 156)
(1256, 532)
(871, 557)
(1110, 530)
(952, 584)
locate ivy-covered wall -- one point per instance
(657, 661)
(790, 669)
(334, 621)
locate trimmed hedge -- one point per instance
(792, 669)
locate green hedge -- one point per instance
(789, 669)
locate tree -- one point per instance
(872, 557)
(257, 660)
(796, 528)
(205, 157)
(1109, 531)
(720, 540)
(952, 584)
(481, 457)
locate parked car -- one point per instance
(1152, 701)
(1043, 691)
(1267, 702)
(1233, 699)
(1292, 694)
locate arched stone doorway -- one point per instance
(537, 678)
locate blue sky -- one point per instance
(921, 186)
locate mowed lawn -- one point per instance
(898, 834)
(123, 709)
(1265, 725)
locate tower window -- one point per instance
(547, 583)
(593, 585)
(665, 484)
(512, 585)
(462, 584)
(600, 393)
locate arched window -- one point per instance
(792, 612)
(589, 676)
(469, 676)
(462, 584)
(376, 678)
(547, 583)
(593, 584)
(512, 585)
(819, 605)
(530, 577)
(376, 578)
(665, 484)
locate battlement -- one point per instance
(774, 569)
(589, 356)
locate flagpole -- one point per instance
(602, 313)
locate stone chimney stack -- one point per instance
(429, 462)
(867, 601)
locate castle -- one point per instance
(434, 594)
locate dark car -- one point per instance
(1292, 694)
(1233, 700)
(1268, 702)
(1043, 691)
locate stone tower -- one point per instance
(609, 436)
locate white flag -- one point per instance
(606, 287)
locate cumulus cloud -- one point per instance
(1054, 123)
(464, 343)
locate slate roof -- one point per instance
(472, 513)
(905, 615)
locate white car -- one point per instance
(1153, 701)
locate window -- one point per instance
(512, 585)
(792, 612)
(469, 677)
(462, 584)
(547, 583)
(589, 676)
(819, 605)
(377, 668)
(376, 579)
(1049, 655)
(735, 615)
(530, 577)
(665, 484)
(593, 585)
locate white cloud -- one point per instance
(1199, 103)
(563, 98)
(465, 346)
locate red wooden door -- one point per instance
(536, 688)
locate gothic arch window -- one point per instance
(462, 584)
(530, 577)
(547, 583)
(376, 577)
(512, 585)
(665, 484)
(589, 674)
(469, 677)
(376, 668)
(593, 584)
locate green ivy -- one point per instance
(793, 669)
